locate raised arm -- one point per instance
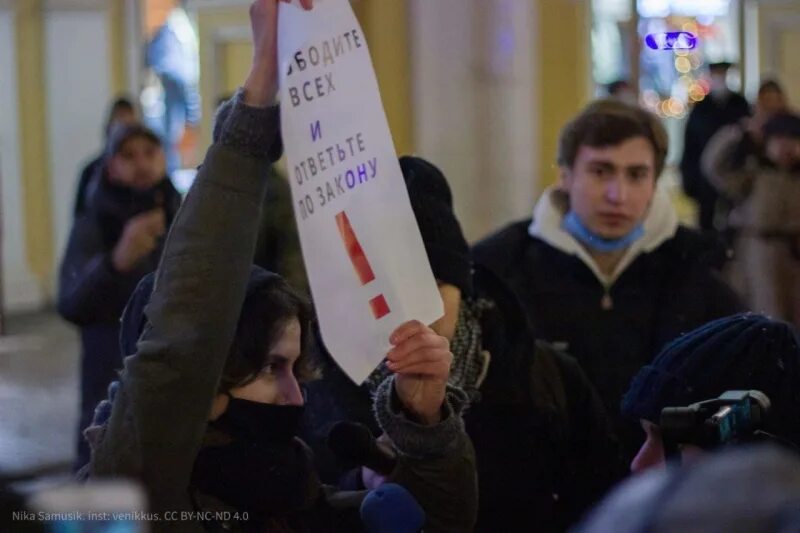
(161, 409)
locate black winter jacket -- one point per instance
(92, 292)
(707, 118)
(545, 446)
(660, 295)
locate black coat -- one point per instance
(81, 191)
(543, 442)
(92, 294)
(661, 294)
(707, 118)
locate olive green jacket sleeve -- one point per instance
(160, 412)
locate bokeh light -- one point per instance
(675, 107)
(682, 65)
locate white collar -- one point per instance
(660, 225)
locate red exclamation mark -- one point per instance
(359, 259)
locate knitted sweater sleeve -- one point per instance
(435, 463)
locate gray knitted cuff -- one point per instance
(417, 440)
(252, 131)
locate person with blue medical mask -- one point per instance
(604, 269)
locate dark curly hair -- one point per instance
(270, 304)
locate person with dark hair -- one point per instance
(771, 101)
(742, 352)
(720, 108)
(544, 446)
(115, 241)
(121, 113)
(764, 189)
(206, 411)
(603, 269)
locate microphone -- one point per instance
(353, 445)
(391, 509)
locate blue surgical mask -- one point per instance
(573, 225)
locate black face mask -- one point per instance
(260, 423)
(263, 470)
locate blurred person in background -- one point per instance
(603, 270)
(172, 108)
(764, 188)
(114, 242)
(720, 108)
(121, 113)
(771, 101)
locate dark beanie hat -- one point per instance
(125, 132)
(783, 125)
(742, 352)
(432, 202)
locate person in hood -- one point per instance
(743, 490)
(603, 269)
(764, 188)
(209, 399)
(115, 240)
(719, 108)
(771, 101)
(543, 441)
(741, 352)
(122, 112)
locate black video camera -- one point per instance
(734, 417)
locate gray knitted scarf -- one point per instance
(470, 361)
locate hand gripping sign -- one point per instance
(365, 259)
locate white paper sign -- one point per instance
(365, 259)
